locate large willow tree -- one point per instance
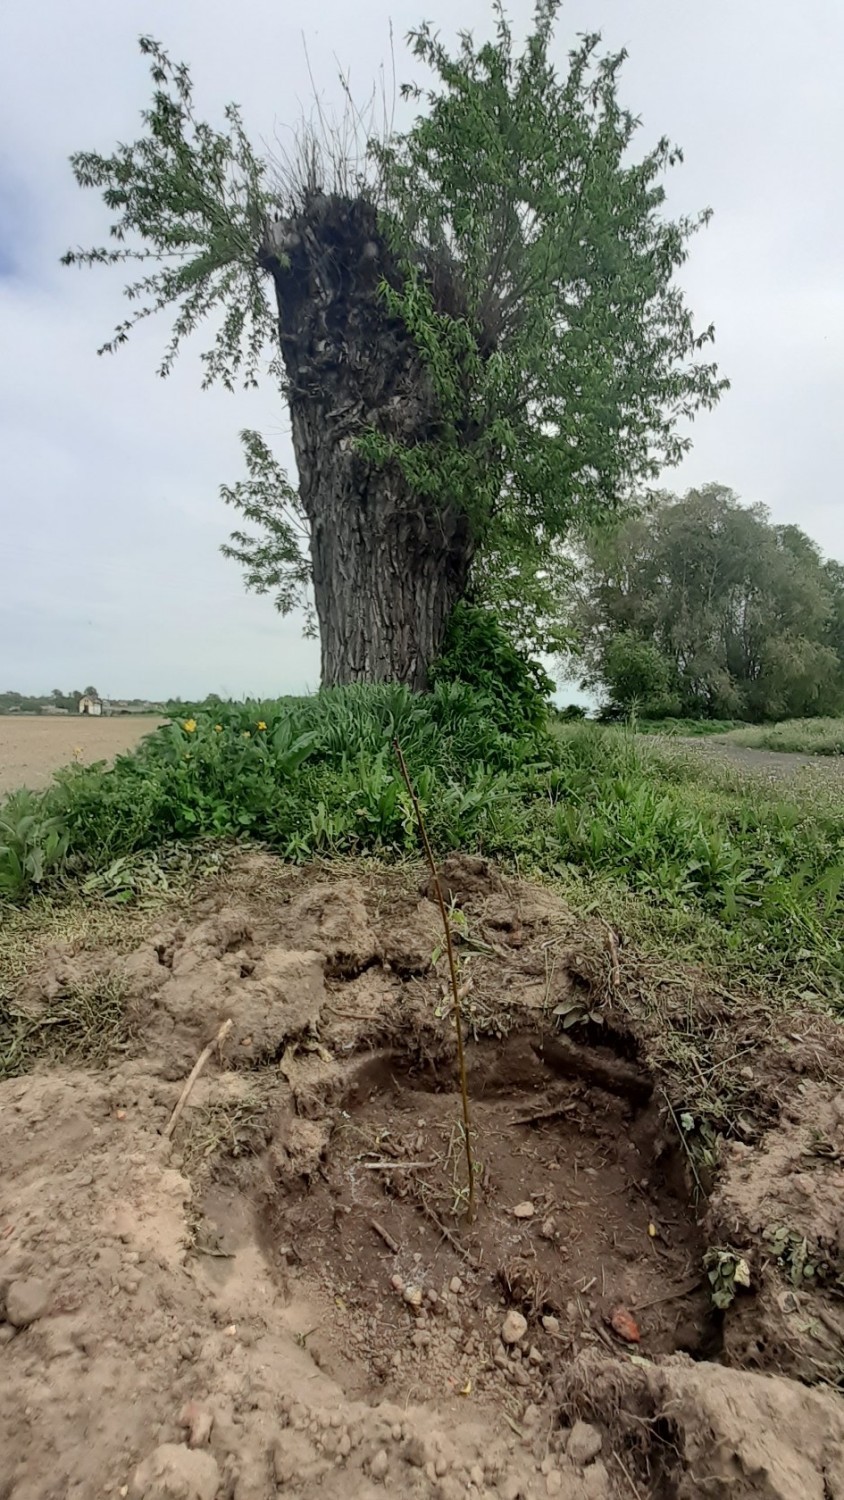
(478, 333)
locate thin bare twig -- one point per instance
(634, 1488)
(384, 1234)
(612, 948)
(455, 986)
(193, 1075)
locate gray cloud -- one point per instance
(109, 518)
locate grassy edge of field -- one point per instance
(819, 736)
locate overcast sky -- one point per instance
(110, 523)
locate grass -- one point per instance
(709, 865)
(805, 736)
(686, 728)
(86, 1022)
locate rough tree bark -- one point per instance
(388, 565)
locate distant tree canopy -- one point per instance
(476, 325)
(701, 607)
(33, 703)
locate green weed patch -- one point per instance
(751, 878)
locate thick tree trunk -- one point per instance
(385, 581)
(388, 566)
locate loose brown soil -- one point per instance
(287, 1298)
(575, 1219)
(33, 748)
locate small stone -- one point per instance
(584, 1444)
(455, 1285)
(421, 1339)
(476, 1474)
(432, 1296)
(198, 1422)
(524, 1210)
(396, 1432)
(26, 1300)
(173, 1470)
(513, 1328)
(284, 1462)
(531, 1415)
(344, 1447)
(551, 1324)
(553, 1482)
(397, 1283)
(534, 1355)
(441, 1466)
(415, 1453)
(380, 1464)
(549, 1227)
(510, 1489)
(413, 1296)
(596, 1482)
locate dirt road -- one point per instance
(774, 765)
(32, 748)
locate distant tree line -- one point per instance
(35, 703)
(700, 607)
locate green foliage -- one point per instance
(574, 357)
(687, 728)
(726, 1271)
(801, 1262)
(33, 843)
(479, 652)
(276, 560)
(701, 607)
(536, 277)
(637, 675)
(192, 201)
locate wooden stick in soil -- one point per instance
(194, 1074)
(452, 970)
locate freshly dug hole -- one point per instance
(582, 1211)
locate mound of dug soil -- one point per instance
(286, 1297)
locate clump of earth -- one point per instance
(285, 1295)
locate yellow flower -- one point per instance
(246, 734)
(261, 724)
(189, 725)
(218, 728)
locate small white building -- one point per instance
(88, 705)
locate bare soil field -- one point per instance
(33, 748)
(276, 1290)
